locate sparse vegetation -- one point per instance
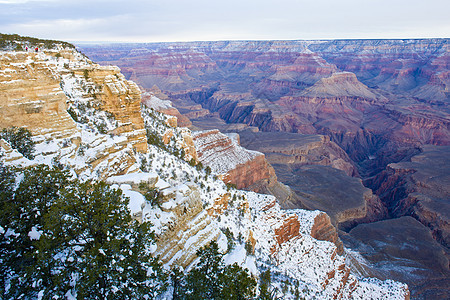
(14, 41)
(20, 139)
(230, 238)
(152, 195)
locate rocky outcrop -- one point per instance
(225, 156)
(181, 224)
(39, 88)
(340, 84)
(246, 169)
(295, 150)
(325, 231)
(120, 97)
(186, 226)
(286, 235)
(31, 96)
(11, 156)
(289, 229)
(420, 189)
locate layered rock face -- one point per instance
(246, 169)
(188, 221)
(236, 164)
(285, 235)
(192, 208)
(325, 231)
(420, 188)
(38, 89)
(378, 100)
(362, 93)
(122, 98)
(31, 96)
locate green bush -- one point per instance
(211, 279)
(20, 139)
(101, 252)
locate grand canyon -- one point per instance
(356, 128)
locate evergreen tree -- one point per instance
(7, 180)
(210, 279)
(101, 246)
(178, 283)
(22, 210)
(202, 282)
(237, 283)
(264, 285)
(20, 139)
(60, 237)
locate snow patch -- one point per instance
(35, 234)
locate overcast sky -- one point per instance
(193, 20)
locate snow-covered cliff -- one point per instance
(88, 119)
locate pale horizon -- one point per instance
(138, 21)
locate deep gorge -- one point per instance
(384, 102)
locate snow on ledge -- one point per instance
(132, 178)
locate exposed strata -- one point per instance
(325, 231)
(189, 227)
(379, 100)
(225, 156)
(182, 222)
(295, 150)
(122, 98)
(31, 96)
(362, 93)
(419, 188)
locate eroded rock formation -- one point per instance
(236, 164)
(31, 96)
(419, 188)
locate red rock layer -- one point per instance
(325, 231)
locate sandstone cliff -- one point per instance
(249, 170)
(30, 96)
